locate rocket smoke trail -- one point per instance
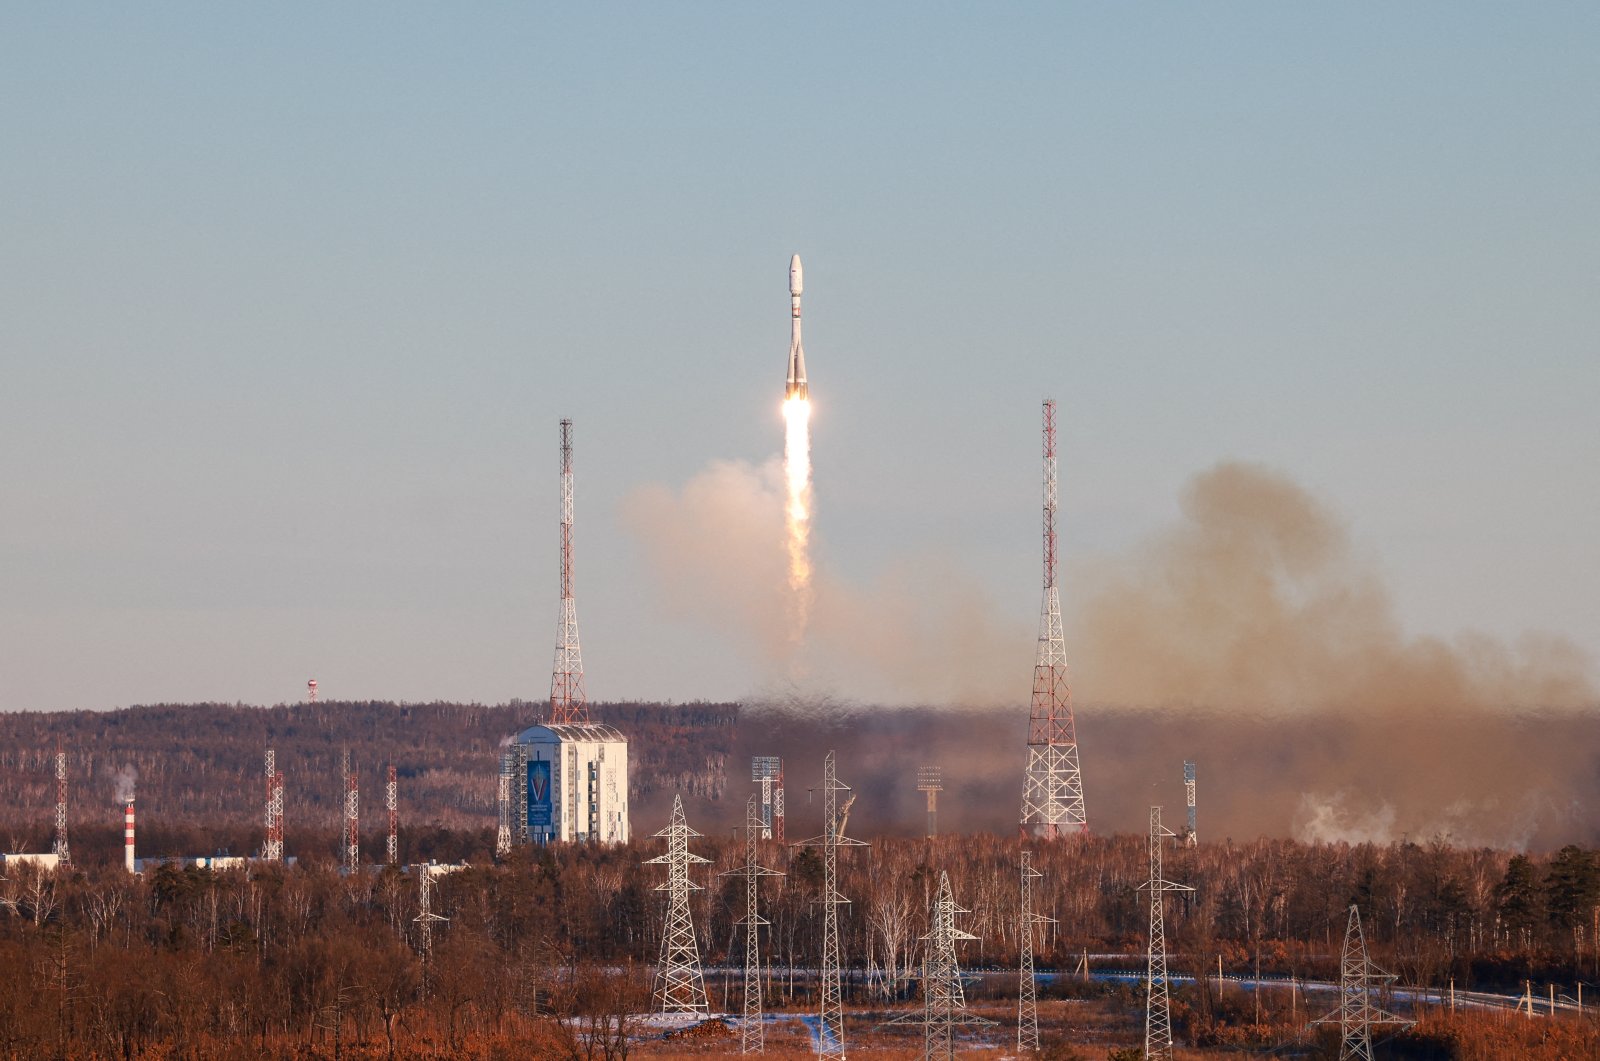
(797, 465)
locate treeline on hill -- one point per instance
(546, 953)
(199, 778)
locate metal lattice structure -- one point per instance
(928, 782)
(352, 816)
(568, 701)
(391, 797)
(680, 988)
(767, 770)
(1052, 787)
(944, 1001)
(752, 1039)
(502, 839)
(63, 850)
(830, 1030)
(1357, 1013)
(311, 691)
(1158, 1007)
(272, 848)
(1027, 990)
(426, 918)
(1191, 836)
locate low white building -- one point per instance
(569, 783)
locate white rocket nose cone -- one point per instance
(796, 276)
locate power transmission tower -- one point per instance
(752, 1037)
(1027, 992)
(928, 782)
(502, 839)
(63, 851)
(1052, 787)
(272, 849)
(391, 796)
(425, 918)
(830, 1031)
(568, 702)
(1190, 836)
(1158, 1008)
(944, 1002)
(679, 986)
(1357, 1013)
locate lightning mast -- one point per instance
(1158, 1007)
(391, 796)
(1052, 788)
(63, 852)
(830, 1032)
(1027, 989)
(272, 849)
(768, 770)
(680, 988)
(352, 816)
(568, 703)
(752, 1039)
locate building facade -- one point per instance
(569, 784)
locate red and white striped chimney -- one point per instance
(127, 838)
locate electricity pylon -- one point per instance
(1356, 1013)
(1158, 1008)
(679, 986)
(752, 1038)
(1027, 992)
(830, 1030)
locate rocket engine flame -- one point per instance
(797, 512)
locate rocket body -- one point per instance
(796, 385)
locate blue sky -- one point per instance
(291, 301)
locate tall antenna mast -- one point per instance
(1027, 989)
(1158, 1008)
(752, 1040)
(63, 852)
(1052, 787)
(830, 1031)
(680, 987)
(568, 703)
(272, 849)
(311, 691)
(391, 796)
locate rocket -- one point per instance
(796, 386)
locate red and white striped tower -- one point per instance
(127, 838)
(1052, 787)
(63, 852)
(568, 703)
(311, 691)
(391, 796)
(272, 848)
(352, 816)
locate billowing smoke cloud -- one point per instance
(123, 781)
(1248, 636)
(1255, 602)
(717, 550)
